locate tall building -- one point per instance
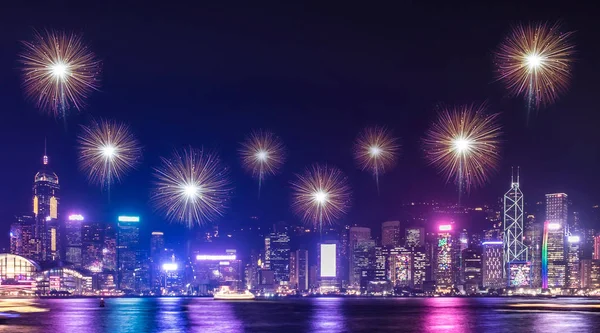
(414, 237)
(557, 231)
(73, 239)
(278, 254)
(92, 245)
(492, 265)
(390, 233)
(299, 270)
(128, 239)
(444, 260)
(596, 253)
(595, 274)
(363, 257)
(355, 235)
(22, 238)
(585, 267)
(109, 251)
(472, 267)
(533, 240)
(573, 262)
(157, 244)
(400, 267)
(420, 264)
(328, 268)
(514, 249)
(45, 209)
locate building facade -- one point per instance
(390, 233)
(556, 219)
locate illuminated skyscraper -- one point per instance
(157, 245)
(400, 267)
(420, 264)
(279, 255)
(92, 245)
(492, 268)
(328, 268)
(444, 260)
(356, 234)
(73, 239)
(557, 231)
(390, 233)
(573, 262)
(514, 249)
(596, 252)
(127, 245)
(533, 240)
(414, 237)
(109, 251)
(22, 237)
(45, 209)
(299, 270)
(472, 269)
(363, 259)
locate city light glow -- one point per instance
(492, 243)
(445, 227)
(129, 219)
(167, 267)
(217, 257)
(75, 217)
(553, 226)
(573, 239)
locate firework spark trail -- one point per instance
(192, 187)
(464, 144)
(376, 150)
(262, 154)
(59, 72)
(320, 195)
(107, 151)
(535, 61)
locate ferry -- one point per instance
(226, 294)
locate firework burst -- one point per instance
(464, 144)
(262, 155)
(535, 61)
(59, 72)
(107, 151)
(320, 195)
(376, 150)
(192, 187)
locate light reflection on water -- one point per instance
(370, 315)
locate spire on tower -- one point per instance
(45, 158)
(518, 173)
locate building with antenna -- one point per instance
(514, 249)
(45, 209)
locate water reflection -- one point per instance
(328, 315)
(445, 315)
(207, 315)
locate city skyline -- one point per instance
(378, 98)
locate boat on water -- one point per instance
(227, 294)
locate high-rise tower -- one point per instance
(514, 249)
(45, 209)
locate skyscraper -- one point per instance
(444, 260)
(109, 251)
(414, 237)
(299, 270)
(328, 268)
(596, 252)
(400, 267)
(514, 249)
(356, 234)
(22, 238)
(157, 244)
(573, 262)
(363, 257)
(390, 233)
(472, 269)
(279, 255)
(492, 265)
(92, 245)
(45, 209)
(556, 219)
(127, 245)
(73, 239)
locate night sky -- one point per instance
(207, 75)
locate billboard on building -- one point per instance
(519, 274)
(328, 260)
